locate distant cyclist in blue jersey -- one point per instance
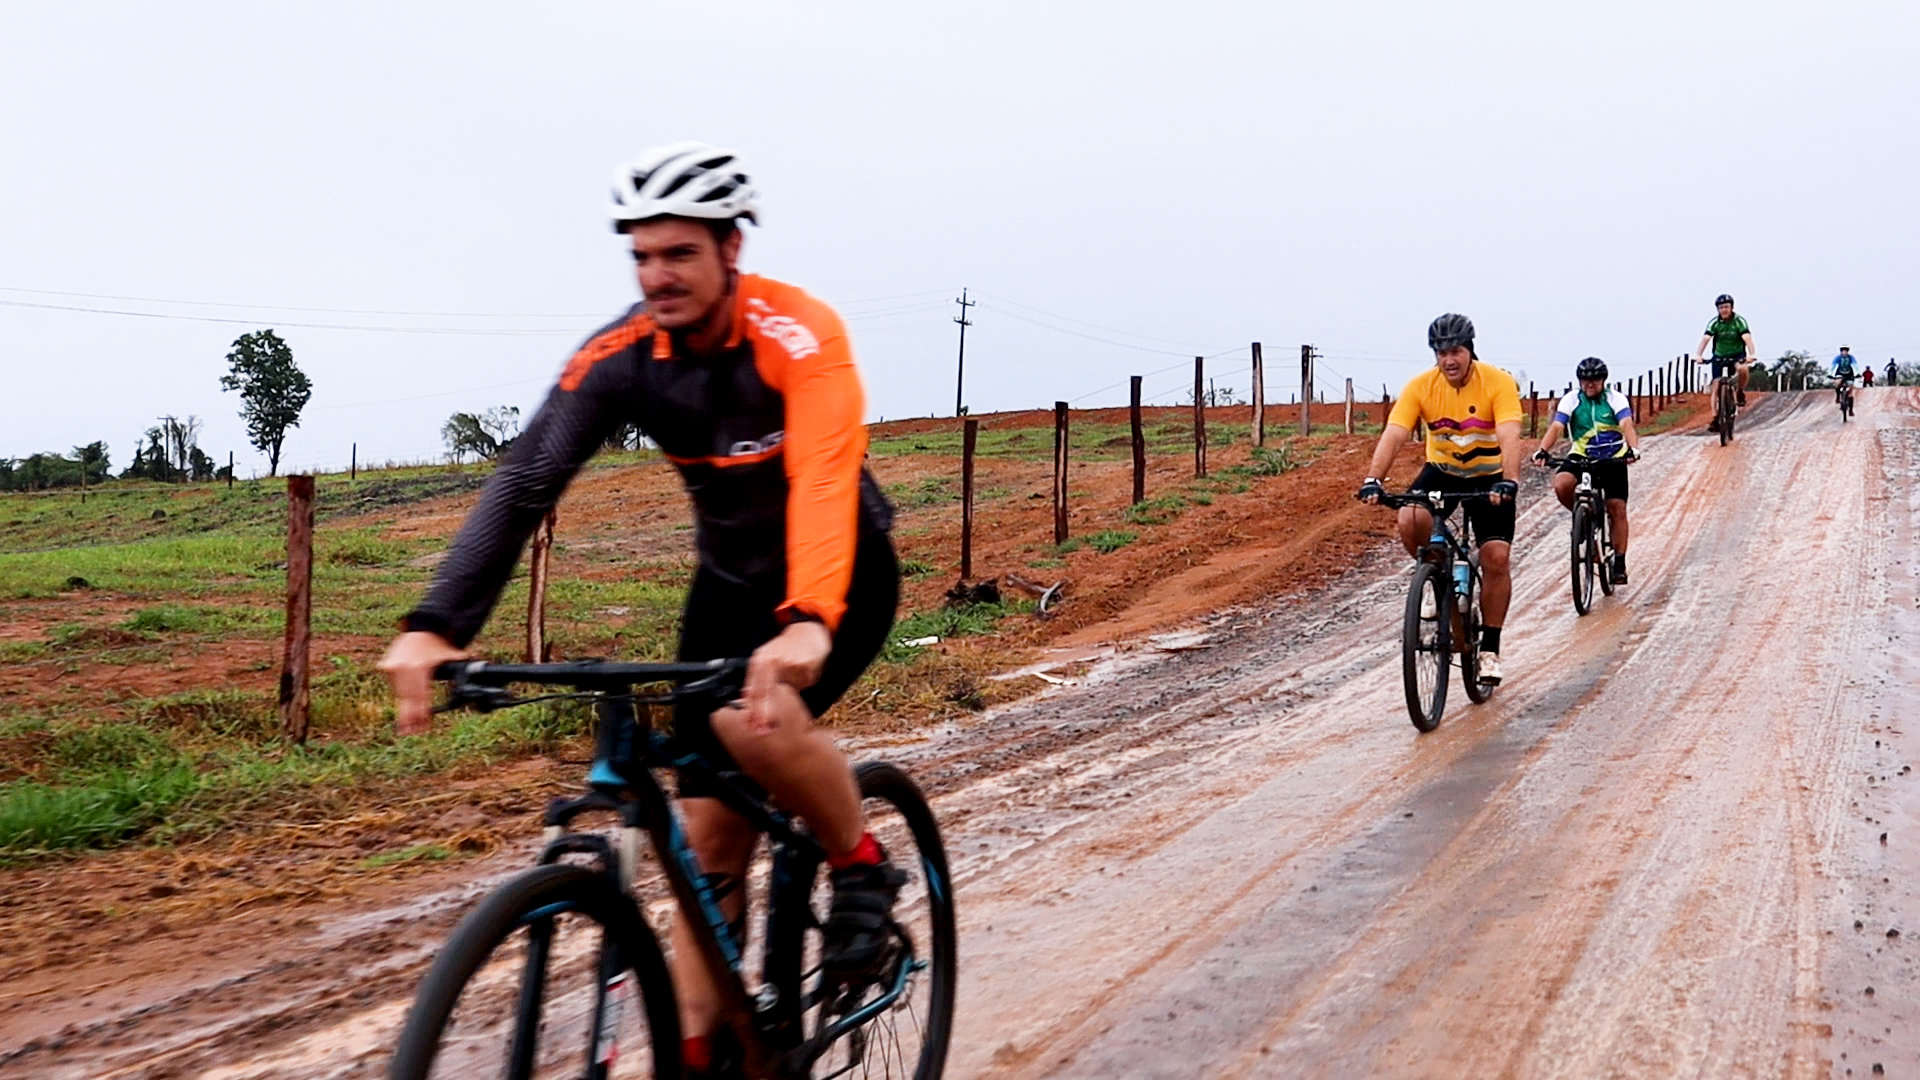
(1598, 423)
(1843, 371)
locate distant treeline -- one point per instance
(169, 453)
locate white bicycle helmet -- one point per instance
(690, 180)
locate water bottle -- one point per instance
(1460, 571)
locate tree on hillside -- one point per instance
(272, 390)
(1794, 370)
(88, 465)
(485, 435)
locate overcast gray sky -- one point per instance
(1123, 185)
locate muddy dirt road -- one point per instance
(1679, 841)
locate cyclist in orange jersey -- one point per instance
(749, 388)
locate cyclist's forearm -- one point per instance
(1508, 431)
(1552, 437)
(526, 486)
(1751, 351)
(1700, 350)
(1392, 438)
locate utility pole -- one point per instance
(960, 376)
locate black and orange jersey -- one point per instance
(767, 434)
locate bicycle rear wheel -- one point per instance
(1724, 406)
(1582, 561)
(909, 1036)
(554, 975)
(1425, 646)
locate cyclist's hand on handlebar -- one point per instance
(1540, 458)
(1371, 491)
(1633, 454)
(409, 665)
(795, 658)
(1503, 491)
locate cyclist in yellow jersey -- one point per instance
(1472, 413)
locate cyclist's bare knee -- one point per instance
(1494, 558)
(754, 750)
(1563, 485)
(1416, 525)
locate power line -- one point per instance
(313, 310)
(491, 332)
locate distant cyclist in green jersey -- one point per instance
(1598, 424)
(1732, 343)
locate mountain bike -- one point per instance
(1592, 534)
(1725, 396)
(558, 973)
(1843, 396)
(1443, 612)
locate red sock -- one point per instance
(696, 1052)
(864, 853)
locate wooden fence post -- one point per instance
(1060, 471)
(969, 434)
(229, 470)
(294, 696)
(1349, 406)
(538, 557)
(353, 463)
(1306, 389)
(1199, 416)
(1259, 398)
(1533, 411)
(1139, 446)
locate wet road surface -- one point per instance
(1229, 854)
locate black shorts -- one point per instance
(724, 619)
(1489, 522)
(1725, 365)
(1609, 476)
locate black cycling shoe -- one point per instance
(858, 927)
(1740, 398)
(1619, 571)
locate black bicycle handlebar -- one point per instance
(1429, 500)
(480, 684)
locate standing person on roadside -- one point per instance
(1866, 375)
(749, 387)
(1732, 345)
(1472, 413)
(1598, 423)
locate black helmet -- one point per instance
(1449, 331)
(1591, 368)
(1725, 298)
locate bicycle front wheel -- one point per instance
(1726, 408)
(1582, 560)
(1426, 644)
(554, 975)
(1477, 691)
(1600, 546)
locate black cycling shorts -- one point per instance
(724, 619)
(1489, 522)
(1609, 476)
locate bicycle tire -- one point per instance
(1582, 562)
(1477, 691)
(900, 819)
(534, 899)
(1426, 647)
(1602, 563)
(1725, 405)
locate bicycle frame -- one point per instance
(1445, 546)
(627, 749)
